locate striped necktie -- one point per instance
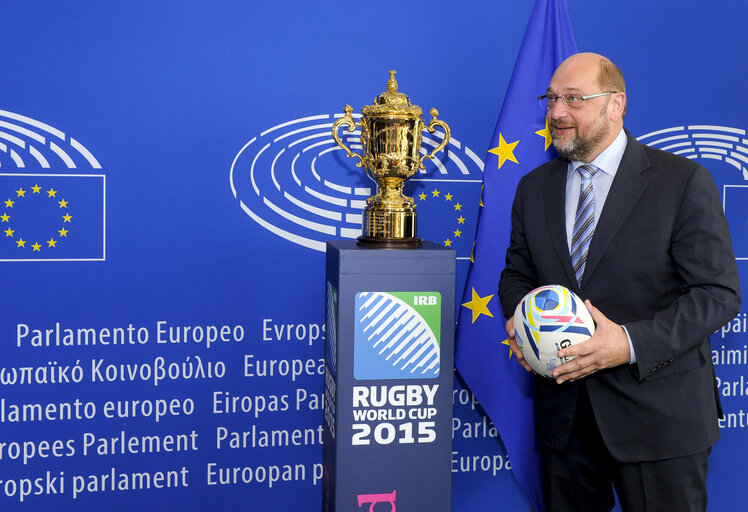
(584, 221)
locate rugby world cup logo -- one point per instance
(295, 181)
(52, 195)
(331, 334)
(724, 151)
(397, 335)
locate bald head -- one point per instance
(597, 69)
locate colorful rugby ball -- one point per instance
(546, 320)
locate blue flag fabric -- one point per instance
(520, 143)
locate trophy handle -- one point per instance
(432, 128)
(347, 119)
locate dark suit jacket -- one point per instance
(660, 263)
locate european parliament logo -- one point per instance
(724, 151)
(397, 335)
(294, 181)
(47, 214)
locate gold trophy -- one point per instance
(391, 139)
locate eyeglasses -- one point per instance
(548, 101)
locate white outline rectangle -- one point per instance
(103, 215)
(724, 206)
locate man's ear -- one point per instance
(618, 106)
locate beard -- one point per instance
(582, 145)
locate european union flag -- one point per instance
(520, 143)
(52, 217)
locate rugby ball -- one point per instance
(546, 320)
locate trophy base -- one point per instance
(392, 228)
(390, 243)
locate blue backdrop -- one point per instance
(167, 180)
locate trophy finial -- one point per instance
(392, 83)
(391, 102)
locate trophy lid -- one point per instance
(392, 102)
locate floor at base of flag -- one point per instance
(581, 477)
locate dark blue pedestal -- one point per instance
(389, 376)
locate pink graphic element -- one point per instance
(378, 498)
(558, 318)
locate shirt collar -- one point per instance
(608, 160)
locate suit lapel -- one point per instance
(555, 198)
(625, 191)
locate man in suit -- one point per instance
(637, 407)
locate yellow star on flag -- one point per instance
(51, 242)
(21, 242)
(448, 243)
(5, 217)
(506, 342)
(36, 189)
(51, 192)
(63, 204)
(422, 196)
(457, 232)
(505, 151)
(458, 207)
(546, 134)
(448, 196)
(9, 203)
(36, 246)
(460, 220)
(67, 217)
(21, 192)
(435, 193)
(479, 305)
(63, 232)
(9, 232)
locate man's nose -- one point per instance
(558, 107)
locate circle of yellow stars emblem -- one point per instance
(457, 207)
(17, 197)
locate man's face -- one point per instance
(579, 134)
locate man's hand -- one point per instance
(608, 347)
(513, 345)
